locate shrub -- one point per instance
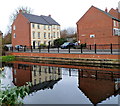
(8, 58)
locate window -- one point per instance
(58, 27)
(48, 27)
(38, 35)
(53, 26)
(92, 36)
(14, 36)
(33, 35)
(49, 35)
(44, 35)
(38, 26)
(33, 25)
(58, 34)
(14, 27)
(116, 31)
(45, 27)
(54, 34)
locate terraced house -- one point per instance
(33, 30)
(99, 27)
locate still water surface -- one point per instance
(63, 85)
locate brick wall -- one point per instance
(22, 31)
(98, 23)
(71, 56)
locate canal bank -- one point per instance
(74, 59)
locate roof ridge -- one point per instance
(45, 19)
(107, 13)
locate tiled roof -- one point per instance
(108, 14)
(45, 20)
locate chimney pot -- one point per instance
(49, 15)
(20, 11)
(117, 9)
(106, 10)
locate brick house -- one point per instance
(28, 29)
(99, 27)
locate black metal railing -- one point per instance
(82, 49)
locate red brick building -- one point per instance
(99, 27)
(29, 29)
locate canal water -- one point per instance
(63, 84)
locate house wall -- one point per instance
(22, 31)
(49, 29)
(95, 22)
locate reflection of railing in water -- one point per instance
(99, 74)
(98, 85)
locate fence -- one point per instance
(86, 49)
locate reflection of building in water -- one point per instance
(21, 74)
(45, 73)
(98, 85)
(42, 76)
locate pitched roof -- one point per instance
(108, 14)
(45, 20)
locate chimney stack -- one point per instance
(49, 15)
(117, 10)
(106, 10)
(20, 11)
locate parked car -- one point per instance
(20, 47)
(67, 45)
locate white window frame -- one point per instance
(14, 36)
(116, 32)
(14, 27)
(92, 35)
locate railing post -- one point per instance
(95, 49)
(58, 49)
(39, 48)
(69, 48)
(12, 48)
(90, 47)
(81, 48)
(48, 48)
(31, 48)
(18, 48)
(111, 48)
(24, 48)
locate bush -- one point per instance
(59, 42)
(8, 58)
(43, 46)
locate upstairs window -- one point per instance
(92, 36)
(49, 35)
(38, 26)
(44, 35)
(33, 25)
(38, 35)
(116, 31)
(14, 36)
(44, 27)
(14, 27)
(54, 34)
(33, 35)
(48, 27)
(58, 34)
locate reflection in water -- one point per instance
(97, 85)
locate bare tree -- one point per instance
(16, 12)
(14, 15)
(71, 30)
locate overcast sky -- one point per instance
(65, 12)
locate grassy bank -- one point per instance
(7, 58)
